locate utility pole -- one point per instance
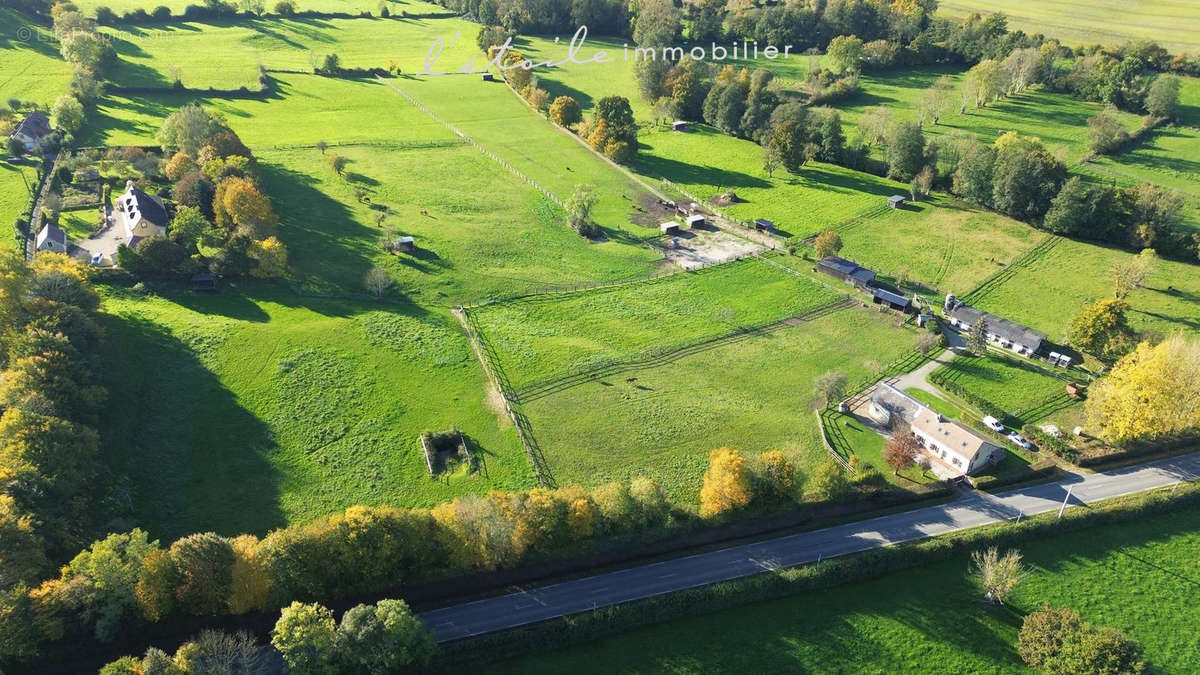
(1065, 500)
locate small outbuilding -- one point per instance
(204, 282)
(679, 125)
(764, 225)
(896, 301)
(52, 238)
(846, 270)
(696, 220)
(669, 227)
(488, 77)
(31, 130)
(896, 201)
(405, 243)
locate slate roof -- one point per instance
(1009, 330)
(35, 125)
(150, 208)
(52, 233)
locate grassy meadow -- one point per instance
(753, 394)
(1138, 576)
(552, 336)
(226, 53)
(1047, 292)
(1169, 157)
(15, 181)
(254, 408)
(1175, 24)
(352, 6)
(30, 66)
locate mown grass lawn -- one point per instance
(1138, 576)
(753, 395)
(30, 66)
(1174, 25)
(1049, 292)
(79, 223)
(253, 408)
(552, 336)
(1014, 387)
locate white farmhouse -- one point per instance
(52, 238)
(142, 215)
(953, 445)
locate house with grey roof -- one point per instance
(32, 129)
(52, 238)
(1000, 331)
(142, 215)
(846, 270)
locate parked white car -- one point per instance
(993, 423)
(1020, 440)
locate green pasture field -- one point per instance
(226, 53)
(753, 394)
(480, 231)
(706, 163)
(305, 109)
(484, 231)
(552, 336)
(31, 68)
(1021, 391)
(14, 197)
(253, 408)
(178, 6)
(943, 245)
(1138, 576)
(1175, 24)
(1169, 157)
(1048, 291)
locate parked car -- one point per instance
(993, 423)
(1020, 440)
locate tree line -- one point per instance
(127, 580)
(51, 477)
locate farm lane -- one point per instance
(973, 510)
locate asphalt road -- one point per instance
(972, 510)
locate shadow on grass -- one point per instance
(196, 458)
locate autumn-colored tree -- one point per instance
(777, 475)
(270, 258)
(179, 166)
(726, 483)
(250, 584)
(1151, 392)
(901, 451)
(1102, 330)
(242, 206)
(155, 589)
(565, 111)
(827, 243)
(476, 532)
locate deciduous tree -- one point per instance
(827, 243)
(1151, 392)
(727, 485)
(901, 451)
(1102, 330)
(306, 637)
(998, 574)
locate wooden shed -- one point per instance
(679, 125)
(488, 77)
(204, 282)
(764, 225)
(896, 201)
(405, 243)
(669, 227)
